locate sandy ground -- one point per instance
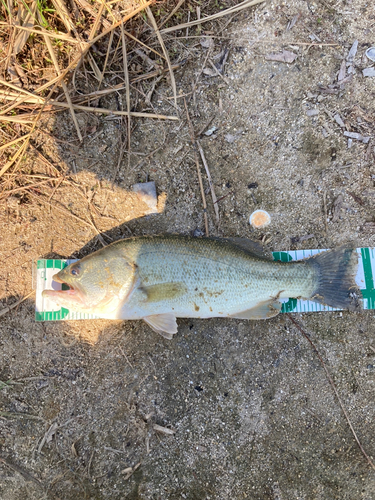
(250, 412)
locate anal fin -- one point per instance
(263, 310)
(165, 324)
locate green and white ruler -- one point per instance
(45, 310)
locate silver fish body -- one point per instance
(161, 278)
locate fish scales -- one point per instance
(220, 279)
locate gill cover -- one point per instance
(99, 283)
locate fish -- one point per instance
(164, 277)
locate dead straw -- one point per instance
(213, 195)
(226, 12)
(165, 52)
(193, 141)
(9, 308)
(127, 85)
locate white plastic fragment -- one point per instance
(312, 112)
(350, 143)
(369, 71)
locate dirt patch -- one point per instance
(253, 412)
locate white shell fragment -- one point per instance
(352, 51)
(338, 120)
(368, 71)
(259, 219)
(210, 131)
(370, 53)
(147, 193)
(357, 137)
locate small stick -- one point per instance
(230, 10)
(106, 58)
(218, 72)
(9, 308)
(214, 199)
(8, 144)
(127, 85)
(63, 84)
(325, 211)
(24, 187)
(334, 390)
(164, 430)
(165, 52)
(26, 475)
(105, 111)
(198, 169)
(66, 211)
(172, 13)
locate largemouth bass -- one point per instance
(161, 278)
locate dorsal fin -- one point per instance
(249, 246)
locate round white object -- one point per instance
(260, 218)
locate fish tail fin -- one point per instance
(336, 271)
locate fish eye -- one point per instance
(74, 271)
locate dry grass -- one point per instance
(52, 49)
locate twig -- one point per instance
(198, 169)
(11, 143)
(172, 13)
(325, 211)
(63, 84)
(26, 475)
(127, 85)
(66, 211)
(218, 72)
(20, 415)
(225, 12)
(214, 199)
(334, 390)
(105, 111)
(106, 58)
(166, 55)
(153, 74)
(9, 308)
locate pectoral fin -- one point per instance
(263, 310)
(165, 324)
(164, 291)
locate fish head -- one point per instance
(98, 283)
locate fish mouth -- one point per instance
(71, 297)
